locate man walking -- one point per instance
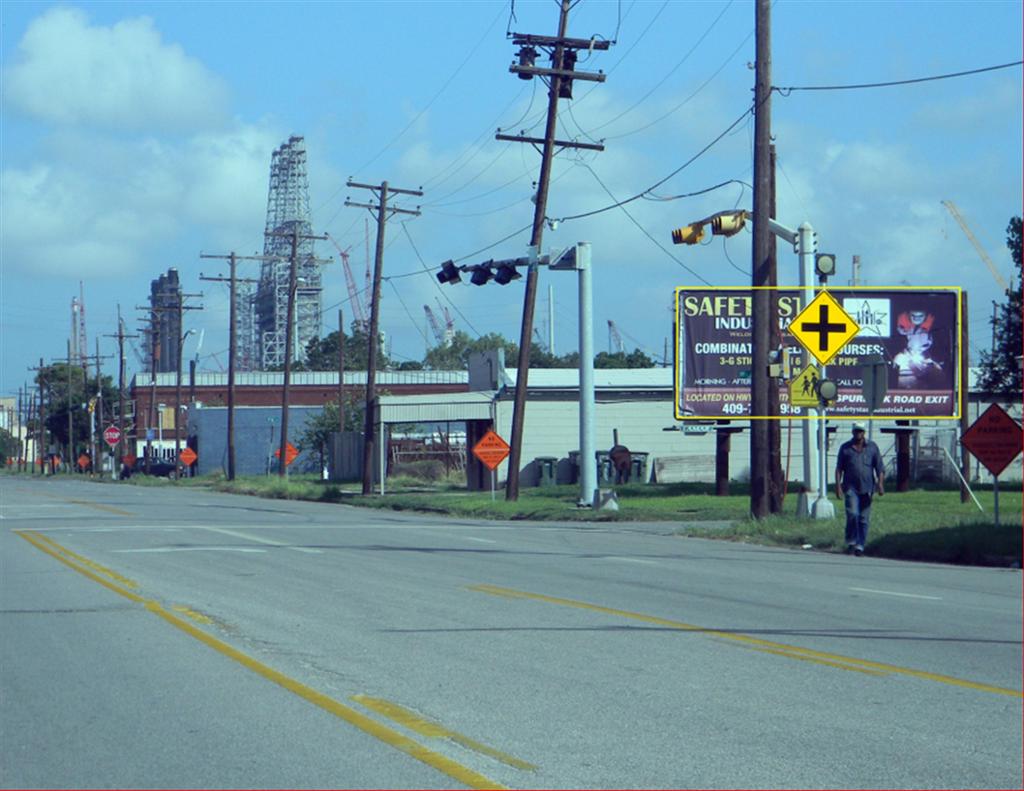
(859, 474)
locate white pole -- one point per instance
(823, 509)
(551, 320)
(383, 453)
(588, 473)
(810, 494)
(995, 488)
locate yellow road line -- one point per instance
(389, 736)
(99, 506)
(198, 617)
(35, 540)
(128, 583)
(792, 651)
(435, 730)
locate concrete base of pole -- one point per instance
(823, 509)
(804, 502)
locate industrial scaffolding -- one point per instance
(287, 213)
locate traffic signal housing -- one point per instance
(728, 224)
(481, 274)
(506, 274)
(688, 234)
(449, 273)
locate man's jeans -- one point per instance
(858, 512)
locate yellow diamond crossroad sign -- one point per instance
(803, 391)
(823, 327)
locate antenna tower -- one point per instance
(287, 212)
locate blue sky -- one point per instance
(135, 135)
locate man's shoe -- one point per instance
(848, 550)
(858, 551)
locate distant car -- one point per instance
(157, 467)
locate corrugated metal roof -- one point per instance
(307, 378)
(429, 408)
(604, 378)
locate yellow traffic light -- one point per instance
(688, 234)
(728, 224)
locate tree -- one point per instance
(70, 389)
(10, 446)
(635, 359)
(454, 356)
(322, 353)
(1000, 369)
(318, 429)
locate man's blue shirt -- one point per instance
(859, 467)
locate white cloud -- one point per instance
(120, 77)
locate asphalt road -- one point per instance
(168, 637)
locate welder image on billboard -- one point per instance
(922, 361)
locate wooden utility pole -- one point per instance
(41, 441)
(341, 373)
(560, 77)
(233, 280)
(293, 281)
(760, 265)
(119, 450)
(383, 213)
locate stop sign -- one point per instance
(112, 435)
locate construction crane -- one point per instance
(350, 282)
(977, 245)
(615, 344)
(444, 334)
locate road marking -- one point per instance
(456, 771)
(791, 651)
(435, 730)
(128, 583)
(88, 504)
(198, 617)
(267, 541)
(158, 550)
(893, 593)
(479, 540)
(631, 560)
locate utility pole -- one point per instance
(760, 266)
(71, 422)
(560, 76)
(293, 282)
(341, 374)
(383, 213)
(179, 307)
(233, 280)
(41, 441)
(119, 451)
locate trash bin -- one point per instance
(546, 466)
(638, 468)
(605, 470)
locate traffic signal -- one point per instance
(825, 264)
(688, 234)
(828, 391)
(506, 274)
(728, 224)
(481, 274)
(449, 273)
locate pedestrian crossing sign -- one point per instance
(803, 390)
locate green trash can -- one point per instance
(546, 466)
(638, 468)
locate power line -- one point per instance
(642, 229)
(789, 89)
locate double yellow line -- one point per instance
(126, 588)
(779, 649)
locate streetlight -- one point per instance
(804, 241)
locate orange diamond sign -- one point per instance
(188, 457)
(290, 454)
(492, 450)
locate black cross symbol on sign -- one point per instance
(824, 328)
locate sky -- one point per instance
(135, 136)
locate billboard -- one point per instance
(915, 331)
